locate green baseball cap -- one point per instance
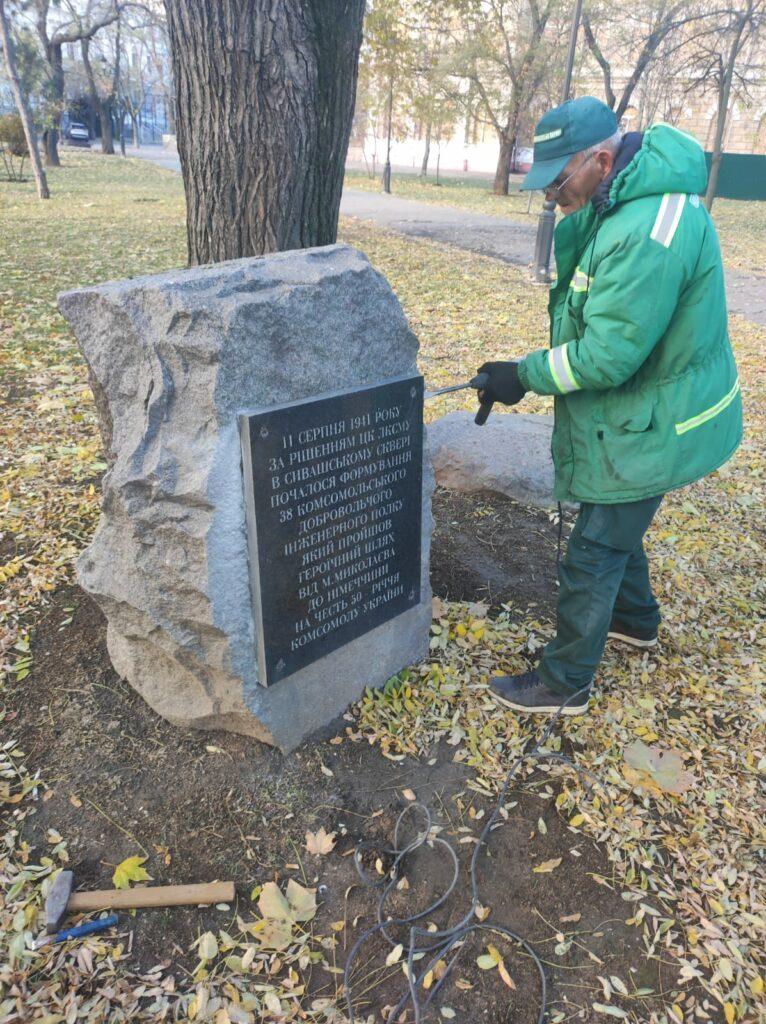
(564, 131)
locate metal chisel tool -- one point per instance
(479, 382)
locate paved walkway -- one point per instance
(508, 240)
(499, 237)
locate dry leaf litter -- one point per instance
(676, 736)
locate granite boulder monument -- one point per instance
(263, 549)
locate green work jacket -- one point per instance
(647, 393)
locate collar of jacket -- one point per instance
(603, 198)
(571, 237)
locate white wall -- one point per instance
(481, 156)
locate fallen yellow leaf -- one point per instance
(130, 870)
(395, 955)
(546, 866)
(503, 972)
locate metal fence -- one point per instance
(740, 176)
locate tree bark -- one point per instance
(724, 96)
(265, 97)
(99, 105)
(56, 66)
(170, 108)
(426, 151)
(503, 172)
(107, 131)
(22, 106)
(603, 63)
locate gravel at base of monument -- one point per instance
(173, 359)
(510, 455)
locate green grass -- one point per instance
(107, 217)
(742, 231)
(741, 226)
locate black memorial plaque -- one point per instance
(334, 494)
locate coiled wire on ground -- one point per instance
(431, 946)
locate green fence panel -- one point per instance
(740, 176)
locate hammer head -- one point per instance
(58, 898)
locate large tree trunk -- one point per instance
(51, 147)
(51, 136)
(107, 129)
(265, 98)
(503, 172)
(98, 105)
(22, 105)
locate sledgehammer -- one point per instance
(61, 900)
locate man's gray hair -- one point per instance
(612, 144)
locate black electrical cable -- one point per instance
(440, 943)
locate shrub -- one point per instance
(12, 135)
(13, 146)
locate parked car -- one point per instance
(77, 134)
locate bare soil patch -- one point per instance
(213, 805)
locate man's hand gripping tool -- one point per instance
(480, 381)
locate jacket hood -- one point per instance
(669, 160)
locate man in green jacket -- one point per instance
(646, 389)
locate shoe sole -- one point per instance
(546, 709)
(632, 641)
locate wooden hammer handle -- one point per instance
(153, 896)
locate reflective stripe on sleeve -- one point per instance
(580, 281)
(668, 217)
(708, 414)
(561, 371)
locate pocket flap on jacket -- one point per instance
(630, 412)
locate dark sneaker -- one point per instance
(529, 693)
(619, 630)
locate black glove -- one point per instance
(504, 384)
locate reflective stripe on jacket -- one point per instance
(647, 394)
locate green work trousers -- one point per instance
(603, 574)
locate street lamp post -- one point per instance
(546, 222)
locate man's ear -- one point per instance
(605, 161)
